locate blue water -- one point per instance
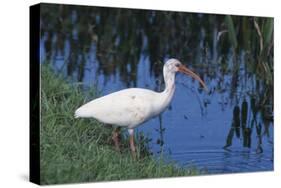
(195, 127)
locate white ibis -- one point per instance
(131, 107)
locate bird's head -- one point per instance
(174, 66)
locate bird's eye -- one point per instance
(177, 65)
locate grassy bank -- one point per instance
(81, 150)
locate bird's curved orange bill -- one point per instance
(188, 72)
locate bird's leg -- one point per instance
(132, 144)
(115, 138)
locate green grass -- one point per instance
(81, 150)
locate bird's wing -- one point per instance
(127, 107)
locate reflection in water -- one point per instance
(247, 125)
(118, 48)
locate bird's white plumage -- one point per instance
(128, 107)
(124, 108)
(131, 107)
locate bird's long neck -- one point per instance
(169, 79)
(168, 93)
